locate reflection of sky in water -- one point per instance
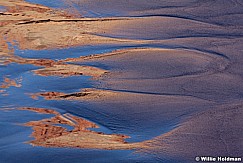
(2, 8)
(54, 83)
(27, 153)
(14, 149)
(49, 3)
(32, 83)
(73, 52)
(82, 9)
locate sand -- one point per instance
(215, 132)
(47, 133)
(58, 68)
(70, 70)
(174, 80)
(198, 135)
(38, 25)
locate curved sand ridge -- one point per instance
(183, 141)
(152, 70)
(149, 63)
(58, 68)
(48, 133)
(142, 63)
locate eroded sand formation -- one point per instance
(48, 133)
(29, 19)
(190, 66)
(70, 70)
(57, 68)
(38, 25)
(86, 94)
(182, 141)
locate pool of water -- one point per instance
(52, 4)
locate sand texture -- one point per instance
(124, 81)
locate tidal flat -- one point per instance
(120, 81)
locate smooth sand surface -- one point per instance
(214, 132)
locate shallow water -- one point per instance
(188, 25)
(52, 4)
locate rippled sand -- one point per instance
(147, 81)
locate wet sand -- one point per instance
(47, 133)
(215, 132)
(170, 88)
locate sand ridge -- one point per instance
(58, 68)
(48, 133)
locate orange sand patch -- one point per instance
(35, 27)
(47, 95)
(40, 110)
(59, 68)
(70, 70)
(8, 83)
(36, 62)
(85, 94)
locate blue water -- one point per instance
(118, 118)
(49, 3)
(2, 8)
(73, 52)
(13, 140)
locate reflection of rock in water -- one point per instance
(8, 83)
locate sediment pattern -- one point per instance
(167, 75)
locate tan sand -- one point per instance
(85, 94)
(58, 68)
(70, 70)
(36, 29)
(35, 26)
